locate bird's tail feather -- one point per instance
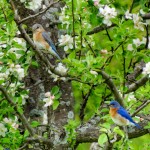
(138, 126)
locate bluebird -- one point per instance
(43, 41)
(120, 116)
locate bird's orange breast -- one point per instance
(113, 112)
(37, 36)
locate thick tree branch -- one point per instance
(21, 116)
(137, 71)
(90, 133)
(133, 87)
(112, 87)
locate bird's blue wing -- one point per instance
(125, 114)
(48, 40)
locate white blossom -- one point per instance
(96, 2)
(130, 47)
(139, 42)
(130, 97)
(55, 77)
(11, 122)
(128, 15)
(138, 24)
(108, 13)
(104, 51)
(62, 69)
(20, 72)
(22, 44)
(94, 72)
(146, 69)
(3, 45)
(63, 18)
(66, 41)
(48, 99)
(34, 4)
(3, 130)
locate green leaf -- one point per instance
(55, 90)
(12, 56)
(57, 96)
(55, 104)
(26, 133)
(102, 139)
(118, 131)
(35, 123)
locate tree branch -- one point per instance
(100, 28)
(40, 13)
(90, 133)
(146, 16)
(133, 87)
(85, 99)
(145, 103)
(21, 116)
(112, 86)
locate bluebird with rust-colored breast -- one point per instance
(120, 116)
(43, 41)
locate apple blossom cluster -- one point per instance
(62, 70)
(7, 121)
(12, 123)
(33, 4)
(66, 41)
(146, 69)
(137, 42)
(63, 18)
(48, 99)
(22, 46)
(137, 20)
(108, 13)
(130, 97)
(17, 70)
(3, 130)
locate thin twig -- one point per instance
(81, 34)
(40, 13)
(131, 7)
(73, 22)
(90, 47)
(147, 36)
(124, 68)
(100, 28)
(85, 99)
(24, 146)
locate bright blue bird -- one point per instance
(120, 116)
